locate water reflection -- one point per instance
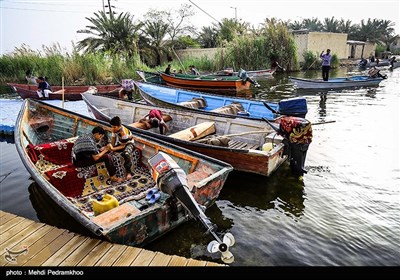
(7, 138)
(264, 193)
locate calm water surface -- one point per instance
(344, 213)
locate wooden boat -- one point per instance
(353, 81)
(208, 83)
(44, 136)
(250, 73)
(71, 93)
(383, 62)
(199, 101)
(394, 65)
(151, 77)
(197, 130)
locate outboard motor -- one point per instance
(172, 180)
(298, 133)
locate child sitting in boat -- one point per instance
(122, 141)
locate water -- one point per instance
(344, 213)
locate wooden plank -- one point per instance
(160, 259)
(96, 254)
(111, 256)
(80, 252)
(178, 261)
(17, 233)
(193, 262)
(5, 228)
(253, 147)
(27, 242)
(214, 264)
(128, 256)
(41, 242)
(57, 258)
(195, 132)
(50, 249)
(2, 213)
(144, 259)
(5, 217)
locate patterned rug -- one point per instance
(84, 184)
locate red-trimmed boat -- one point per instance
(71, 93)
(222, 85)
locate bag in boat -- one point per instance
(293, 107)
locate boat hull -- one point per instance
(244, 153)
(228, 86)
(134, 221)
(172, 97)
(351, 82)
(72, 93)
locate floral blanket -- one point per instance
(82, 185)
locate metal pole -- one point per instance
(235, 12)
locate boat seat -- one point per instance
(140, 125)
(195, 132)
(196, 103)
(233, 109)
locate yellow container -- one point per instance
(267, 147)
(106, 203)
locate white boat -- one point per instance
(333, 83)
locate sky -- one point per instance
(46, 22)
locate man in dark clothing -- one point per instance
(168, 69)
(44, 88)
(85, 152)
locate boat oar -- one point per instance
(269, 108)
(223, 140)
(311, 64)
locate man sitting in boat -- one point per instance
(242, 74)
(155, 119)
(86, 152)
(374, 73)
(44, 88)
(193, 70)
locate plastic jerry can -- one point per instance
(267, 147)
(104, 203)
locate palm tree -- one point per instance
(114, 35)
(208, 37)
(155, 32)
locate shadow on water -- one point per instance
(50, 213)
(281, 191)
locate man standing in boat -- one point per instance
(326, 64)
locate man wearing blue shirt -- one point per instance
(326, 63)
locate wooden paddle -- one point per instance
(234, 134)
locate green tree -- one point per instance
(208, 37)
(110, 34)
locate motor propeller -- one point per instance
(223, 247)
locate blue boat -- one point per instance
(198, 101)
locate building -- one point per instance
(316, 42)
